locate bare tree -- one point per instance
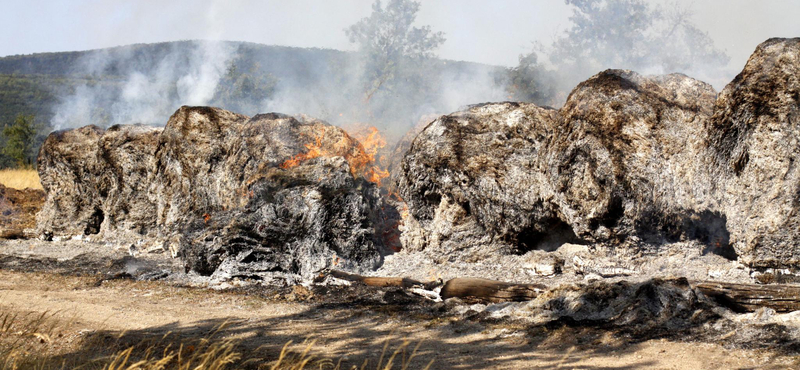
(627, 34)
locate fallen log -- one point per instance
(474, 289)
(737, 297)
(377, 281)
(750, 297)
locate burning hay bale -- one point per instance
(271, 196)
(628, 160)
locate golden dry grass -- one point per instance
(20, 178)
(34, 341)
(25, 338)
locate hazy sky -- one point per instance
(493, 32)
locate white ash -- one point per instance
(683, 259)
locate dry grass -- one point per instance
(25, 339)
(202, 354)
(20, 178)
(37, 341)
(302, 360)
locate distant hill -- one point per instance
(145, 83)
(146, 57)
(32, 84)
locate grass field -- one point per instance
(20, 178)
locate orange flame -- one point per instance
(403, 208)
(314, 151)
(363, 163)
(375, 174)
(372, 141)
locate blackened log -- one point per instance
(475, 289)
(385, 281)
(750, 297)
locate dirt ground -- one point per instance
(18, 210)
(131, 310)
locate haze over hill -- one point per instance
(145, 83)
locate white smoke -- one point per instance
(324, 84)
(478, 86)
(143, 94)
(649, 37)
(198, 85)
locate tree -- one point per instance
(529, 81)
(241, 91)
(392, 49)
(20, 140)
(629, 34)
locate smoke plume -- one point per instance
(136, 85)
(147, 83)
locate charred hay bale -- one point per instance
(190, 174)
(297, 222)
(97, 180)
(623, 158)
(630, 159)
(474, 184)
(755, 143)
(218, 185)
(125, 186)
(395, 160)
(65, 160)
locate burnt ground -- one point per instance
(106, 295)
